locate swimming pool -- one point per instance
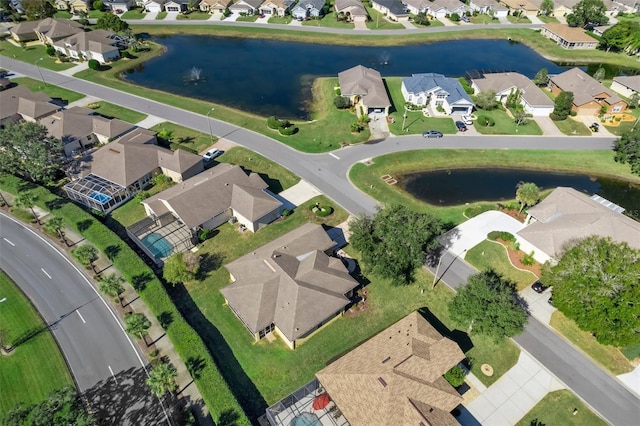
(157, 245)
(100, 197)
(306, 419)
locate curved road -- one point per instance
(105, 364)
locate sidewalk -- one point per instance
(71, 71)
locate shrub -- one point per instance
(514, 245)
(205, 234)
(324, 211)
(556, 117)
(226, 13)
(440, 108)
(286, 212)
(454, 17)
(98, 5)
(341, 102)
(288, 131)
(338, 91)
(502, 235)
(51, 51)
(573, 113)
(94, 64)
(356, 127)
(455, 376)
(528, 259)
(273, 122)
(485, 121)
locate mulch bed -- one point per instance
(515, 257)
(360, 307)
(521, 217)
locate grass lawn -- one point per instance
(280, 19)
(379, 22)
(187, 137)
(31, 54)
(572, 127)
(35, 367)
(432, 23)
(138, 13)
(49, 90)
(248, 18)
(194, 16)
(505, 125)
(329, 20)
(367, 178)
(109, 110)
(64, 14)
(96, 14)
(631, 352)
(416, 122)
(608, 357)
(548, 19)
(161, 15)
(556, 408)
(492, 255)
(483, 19)
(518, 19)
(624, 126)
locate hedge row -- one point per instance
(188, 344)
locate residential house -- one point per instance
(524, 7)
(395, 10)
(396, 377)
(627, 6)
(568, 37)
(599, 30)
(590, 97)
(250, 7)
(179, 5)
(24, 31)
(308, 9)
(101, 45)
(214, 6)
(417, 6)
(61, 4)
(567, 215)
(291, 286)
(120, 5)
(114, 173)
(483, 6)
(499, 10)
(47, 30)
(366, 90)
(626, 85)
(275, 7)
(532, 98)
(80, 129)
(440, 9)
(154, 6)
(19, 103)
(353, 9)
(78, 6)
(436, 90)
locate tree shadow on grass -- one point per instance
(460, 337)
(209, 262)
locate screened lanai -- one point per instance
(97, 193)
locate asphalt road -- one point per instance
(103, 361)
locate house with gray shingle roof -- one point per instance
(290, 286)
(353, 9)
(307, 9)
(437, 90)
(395, 10)
(250, 7)
(589, 95)
(532, 98)
(19, 103)
(626, 85)
(101, 45)
(366, 90)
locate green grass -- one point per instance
(367, 178)
(280, 19)
(432, 23)
(505, 125)
(96, 14)
(49, 90)
(187, 137)
(556, 408)
(134, 14)
(572, 127)
(35, 367)
(31, 54)
(631, 352)
(248, 18)
(518, 19)
(483, 19)
(624, 126)
(416, 122)
(109, 110)
(608, 357)
(492, 255)
(63, 14)
(379, 22)
(548, 19)
(329, 21)
(194, 16)
(161, 15)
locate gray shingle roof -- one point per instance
(366, 82)
(583, 86)
(426, 82)
(396, 7)
(632, 82)
(20, 100)
(316, 4)
(502, 81)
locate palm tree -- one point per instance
(55, 225)
(137, 325)
(161, 379)
(528, 194)
(85, 254)
(111, 285)
(27, 200)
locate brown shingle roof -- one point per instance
(99, 41)
(354, 7)
(395, 378)
(567, 215)
(20, 100)
(364, 81)
(502, 81)
(76, 123)
(570, 34)
(57, 28)
(583, 86)
(290, 282)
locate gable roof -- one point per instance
(282, 4)
(218, 3)
(432, 82)
(289, 282)
(570, 34)
(354, 7)
(22, 101)
(396, 377)
(396, 7)
(364, 81)
(505, 81)
(57, 28)
(583, 86)
(631, 82)
(567, 214)
(99, 41)
(449, 5)
(418, 4)
(204, 196)
(77, 123)
(314, 4)
(24, 28)
(253, 3)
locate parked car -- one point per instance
(461, 126)
(212, 153)
(465, 19)
(466, 119)
(432, 134)
(594, 127)
(538, 287)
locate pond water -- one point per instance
(460, 186)
(271, 77)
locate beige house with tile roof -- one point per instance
(353, 9)
(532, 98)
(589, 95)
(290, 286)
(101, 45)
(568, 37)
(567, 215)
(276, 7)
(365, 88)
(50, 30)
(396, 377)
(19, 103)
(214, 6)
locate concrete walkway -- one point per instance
(538, 303)
(150, 121)
(510, 398)
(150, 16)
(632, 380)
(299, 193)
(71, 71)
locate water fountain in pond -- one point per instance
(384, 58)
(194, 76)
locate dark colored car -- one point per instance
(594, 127)
(461, 126)
(538, 287)
(432, 134)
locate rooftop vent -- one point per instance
(382, 382)
(114, 150)
(386, 359)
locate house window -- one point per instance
(617, 108)
(262, 333)
(439, 103)
(441, 96)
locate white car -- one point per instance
(466, 119)
(212, 153)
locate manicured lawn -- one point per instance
(416, 122)
(556, 408)
(379, 22)
(187, 137)
(432, 23)
(161, 15)
(35, 367)
(518, 20)
(109, 110)
(548, 19)
(608, 357)
(195, 16)
(492, 255)
(280, 19)
(483, 19)
(31, 54)
(63, 14)
(277, 177)
(134, 14)
(249, 18)
(50, 90)
(329, 21)
(624, 126)
(96, 14)
(505, 125)
(367, 178)
(572, 127)
(631, 352)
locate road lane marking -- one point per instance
(80, 315)
(334, 156)
(46, 273)
(114, 376)
(12, 245)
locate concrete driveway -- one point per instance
(548, 126)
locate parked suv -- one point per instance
(461, 126)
